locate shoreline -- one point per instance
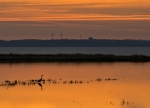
(39, 58)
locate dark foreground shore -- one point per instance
(18, 58)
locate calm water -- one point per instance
(73, 85)
(72, 50)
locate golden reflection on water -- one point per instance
(129, 90)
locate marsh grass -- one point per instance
(10, 58)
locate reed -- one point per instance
(17, 58)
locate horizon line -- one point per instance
(75, 39)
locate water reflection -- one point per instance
(85, 85)
(40, 85)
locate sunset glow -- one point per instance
(74, 53)
(108, 19)
(12, 10)
(92, 94)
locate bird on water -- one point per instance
(40, 79)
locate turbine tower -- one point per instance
(52, 35)
(61, 34)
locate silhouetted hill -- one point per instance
(75, 43)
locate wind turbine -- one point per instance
(61, 34)
(52, 35)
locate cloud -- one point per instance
(72, 11)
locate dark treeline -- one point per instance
(75, 43)
(17, 58)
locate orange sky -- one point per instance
(74, 10)
(107, 19)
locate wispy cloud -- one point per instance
(73, 11)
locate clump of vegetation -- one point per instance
(98, 79)
(10, 58)
(109, 79)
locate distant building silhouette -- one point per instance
(90, 38)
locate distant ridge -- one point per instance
(75, 43)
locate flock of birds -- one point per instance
(42, 81)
